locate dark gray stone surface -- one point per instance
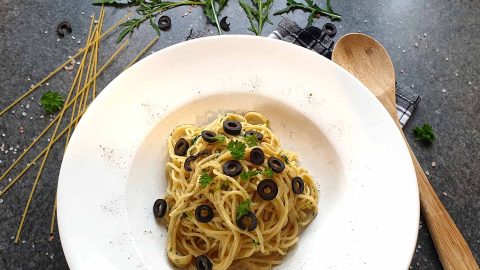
(447, 57)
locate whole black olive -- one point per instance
(209, 136)
(298, 185)
(164, 23)
(247, 222)
(159, 208)
(257, 156)
(203, 263)
(253, 132)
(191, 158)
(232, 168)
(232, 127)
(267, 189)
(181, 147)
(276, 164)
(204, 213)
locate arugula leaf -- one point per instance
(424, 134)
(237, 149)
(52, 101)
(243, 208)
(110, 2)
(154, 25)
(251, 140)
(257, 13)
(212, 11)
(220, 138)
(310, 7)
(268, 172)
(285, 158)
(129, 26)
(205, 179)
(249, 174)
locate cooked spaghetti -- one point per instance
(235, 198)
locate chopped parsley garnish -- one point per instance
(194, 140)
(424, 134)
(205, 179)
(249, 174)
(268, 172)
(256, 243)
(225, 185)
(237, 149)
(220, 138)
(285, 158)
(51, 101)
(251, 140)
(243, 208)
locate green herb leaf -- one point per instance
(205, 179)
(243, 208)
(220, 138)
(225, 185)
(251, 140)
(285, 158)
(257, 14)
(212, 10)
(129, 26)
(268, 172)
(52, 101)
(194, 140)
(237, 149)
(244, 176)
(154, 25)
(424, 134)
(310, 7)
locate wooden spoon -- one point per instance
(367, 60)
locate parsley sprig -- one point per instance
(251, 140)
(52, 102)
(148, 9)
(243, 208)
(268, 172)
(424, 134)
(220, 138)
(257, 13)
(237, 149)
(310, 7)
(246, 175)
(205, 179)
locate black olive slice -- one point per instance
(267, 189)
(203, 263)
(204, 213)
(247, 222)
(253, 132)
(209, 136)
(232, 127)
(257, 156)
(298, 185)
(276, 164)
(159, 208)
(224, 24)
(181, 147)
(61, 27)
(232, 168)
(191, 158)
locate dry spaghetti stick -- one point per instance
(90, 37)
(96, 58)
(96, 33)
(65, 130)
(25, 211)
(62, 66)
(149, 45)
(57, 117)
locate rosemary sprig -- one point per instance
(149, 9)
(311, 7)
(257, 13)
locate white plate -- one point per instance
(113, 169)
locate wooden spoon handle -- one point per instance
(451, 247)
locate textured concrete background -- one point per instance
(447, 57)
